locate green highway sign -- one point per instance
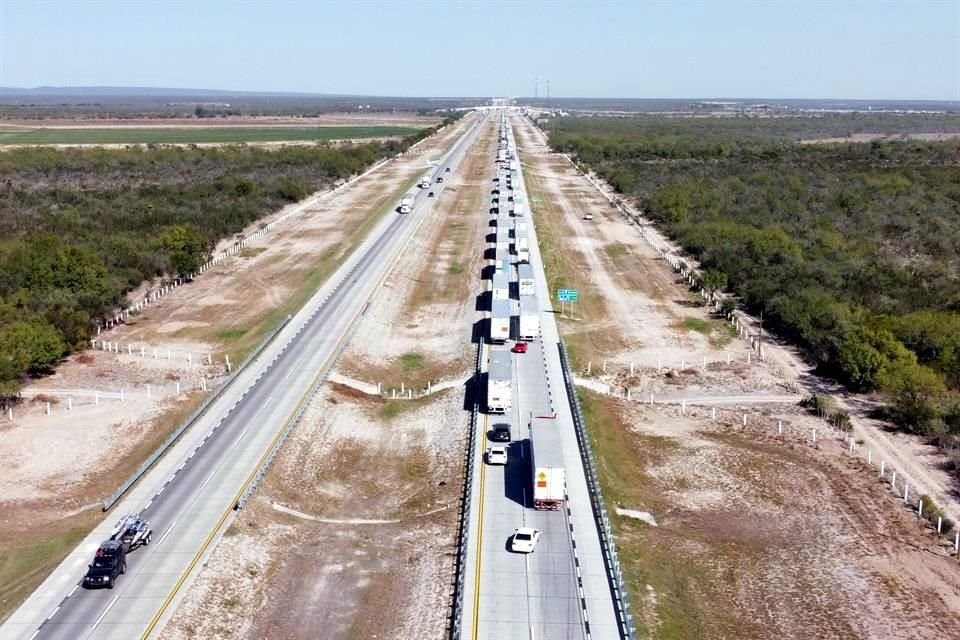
(567, 295)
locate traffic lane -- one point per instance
(67, 607)
(180, 504)
(86, 606)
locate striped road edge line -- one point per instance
(584, 614)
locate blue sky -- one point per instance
(680, 49)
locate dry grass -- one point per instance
(31, 552)
(457, 233)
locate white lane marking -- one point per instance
(102, 615)
(205, 482)
(240, 438)
(35, 634)
(166, 533)
(292, 369)
(161, 490)
(74, 590)
(54, 612)
(148, 505)
(267, 402)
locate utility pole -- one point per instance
(548, 95)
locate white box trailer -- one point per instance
(499, 381)
(529, 318)
(406, 204)
(425, 181)
(501, 286)
(519, 208)
(502, 257)
(499, 320)
(523, 256)
(521, 240)
(525, 280)
(546, 459)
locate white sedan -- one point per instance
(497, 455)
(524, 540)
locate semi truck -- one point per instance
(501, 286)
(529, 318)
(425, 181)
(546, 459)
(503, 237)
(499, 381)
(502, 258)
(523, 256)
(519, 208)
(406, 204)
(499, 320)
(521, 239)
(525, 280)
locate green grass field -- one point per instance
(188, 135)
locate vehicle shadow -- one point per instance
(517, 473)
(481, 329)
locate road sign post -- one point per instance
(567, 295)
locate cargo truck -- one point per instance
(406, 204)
(525, 280)
(529, 318)
(521, 240)
(546, 459)
(499, 320)
(499, 381)
(523, 256)
(519, 208)
(425, 181)
(501, 286)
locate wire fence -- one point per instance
(173, 437)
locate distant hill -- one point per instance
(154, 92)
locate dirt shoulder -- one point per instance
(355, 525)
(50, 497)
(758, 534)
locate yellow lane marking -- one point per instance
(483, 481)
(226, 513)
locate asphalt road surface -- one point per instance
(189, 496)
(560, 591)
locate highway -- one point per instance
(561, 590)
(189, 495)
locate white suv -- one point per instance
(497, 455)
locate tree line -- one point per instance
(80, 228)
(852, 251)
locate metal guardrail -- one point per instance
(456, 624)
(173, 437)
(607, 541)
(242, 501)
